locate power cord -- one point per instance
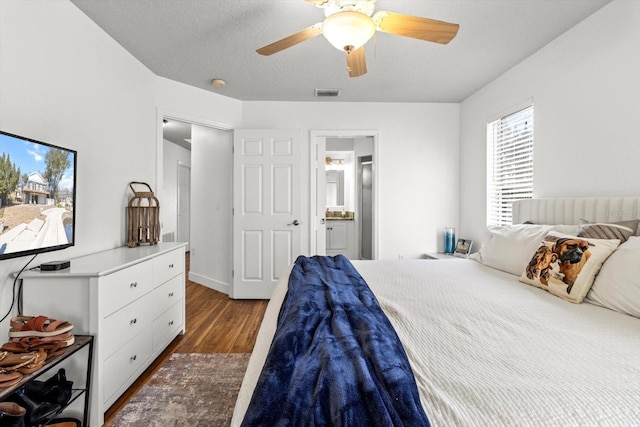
(19, 296)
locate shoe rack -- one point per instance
(81, 342)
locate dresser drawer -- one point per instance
(167, 324)
(126, 323)
(167, 294)
(122, 287)
(125, 362)
(167, 265)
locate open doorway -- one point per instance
(357, 151)
(197, 160)
(176, 186)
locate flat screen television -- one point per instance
(37, 196)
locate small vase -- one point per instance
(449, 240)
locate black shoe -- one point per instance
(54, 390)
(36, 412)
(11, 414)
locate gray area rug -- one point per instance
(190, 389)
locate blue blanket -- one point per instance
(335, 359)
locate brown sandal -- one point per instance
(10, 378)
(37, 326)
(12, 361)
(52, 345)
(36, 364)
(13, 347)
(34, 343)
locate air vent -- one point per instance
(327, 92)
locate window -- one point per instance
(509, 164)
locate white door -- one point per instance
(184, 203)
(267, 208)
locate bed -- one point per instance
(488, 347)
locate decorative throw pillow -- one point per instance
(566, 265)
(617, 286)
(612, 230)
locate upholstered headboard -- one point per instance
(571, 210)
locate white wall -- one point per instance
(195, 105)
(420, 138)
(64, 81)
(211, 205)
(585, 89)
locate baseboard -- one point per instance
(216, 285)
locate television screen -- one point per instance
(37, 196)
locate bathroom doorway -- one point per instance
(355, 152)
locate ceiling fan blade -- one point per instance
(292, 40)
(356, 64)
(415, 27)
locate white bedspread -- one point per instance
(487, 350)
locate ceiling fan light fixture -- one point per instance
(348, 31)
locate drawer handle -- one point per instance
(171, 323)
(170, 294)
(133, 321)
(133, 285)
(133, 358)
(170, 265)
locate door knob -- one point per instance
(295, 222)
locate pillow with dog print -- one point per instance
(566, 265)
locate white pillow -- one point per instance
(509, 248)
(617, 286)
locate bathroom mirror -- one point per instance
(335, 188)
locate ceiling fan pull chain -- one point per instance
(375, 45)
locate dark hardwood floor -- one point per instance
(214, 324)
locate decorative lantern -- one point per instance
(143, 217)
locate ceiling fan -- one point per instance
(349, 24)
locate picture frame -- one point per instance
(463, 248)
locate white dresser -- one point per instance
(131, 299)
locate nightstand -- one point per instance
(440, 255)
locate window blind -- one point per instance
(509, 164)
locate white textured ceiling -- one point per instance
(194, 41)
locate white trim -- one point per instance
(513, 109)
(178, 201)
